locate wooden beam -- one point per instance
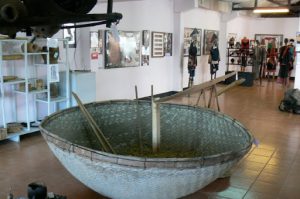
(196, 88)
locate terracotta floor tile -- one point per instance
(246, 173)
(218, 185)
(277, 179)
(289, 192)
(258, 158)
(198, 195)
(256, 195)
(280, 162)
(262, 152)
(250, 165)
(233, 193)
(276, 170)
(243, 183)
(266, 188)
(266, 146)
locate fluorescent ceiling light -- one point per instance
(271, 10)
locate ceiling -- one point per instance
(249, 5)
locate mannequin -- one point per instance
(214, 59)
(245, 43)
(192, 62)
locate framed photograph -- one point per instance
(158, 44)
(268, 39)
(94, 39)
(188, 33)
(53, 73)
(168, 40)
(70, 35)
(209, 37)
(123, 51)
(145, 47)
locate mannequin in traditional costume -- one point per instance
(192, 61)
(214, 59)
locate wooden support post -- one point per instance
(216, 97)
(204, 99)
(138, 120)
(155, 126)
(202, 93)
(210, 97)
(198, 100)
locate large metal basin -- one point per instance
(197, 146)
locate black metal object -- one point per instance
(229, 80)
(49, 15)
(248, 76)
(36, 191)
(109, 11)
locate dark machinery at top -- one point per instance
(44, 18)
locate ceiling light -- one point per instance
(271, 10)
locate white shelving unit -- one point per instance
(31, 64)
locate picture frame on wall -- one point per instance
(70, 35)
(122, 53)
(187, 40)
(168, 41)
(267, 39)
(209, 37)
(145, 48)
(158, 44)
(94, 39)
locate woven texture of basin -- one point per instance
(200, 145)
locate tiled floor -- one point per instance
(270, 171)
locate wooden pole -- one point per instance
(155, 123)
(138, 120)
(97, 131)
(155, 126)
(196, 88)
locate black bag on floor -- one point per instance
(291, 101)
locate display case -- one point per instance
(26, 78)
(235, 57)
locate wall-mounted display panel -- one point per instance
(189, 35)
(158, 44)
(209, 37)
(122, 50)
(268, 39)
(145, 47)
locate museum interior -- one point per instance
(155, 99)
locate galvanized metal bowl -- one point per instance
(197, 146)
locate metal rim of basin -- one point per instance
(141, 162)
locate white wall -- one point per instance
(154, 15)
(203, 19)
